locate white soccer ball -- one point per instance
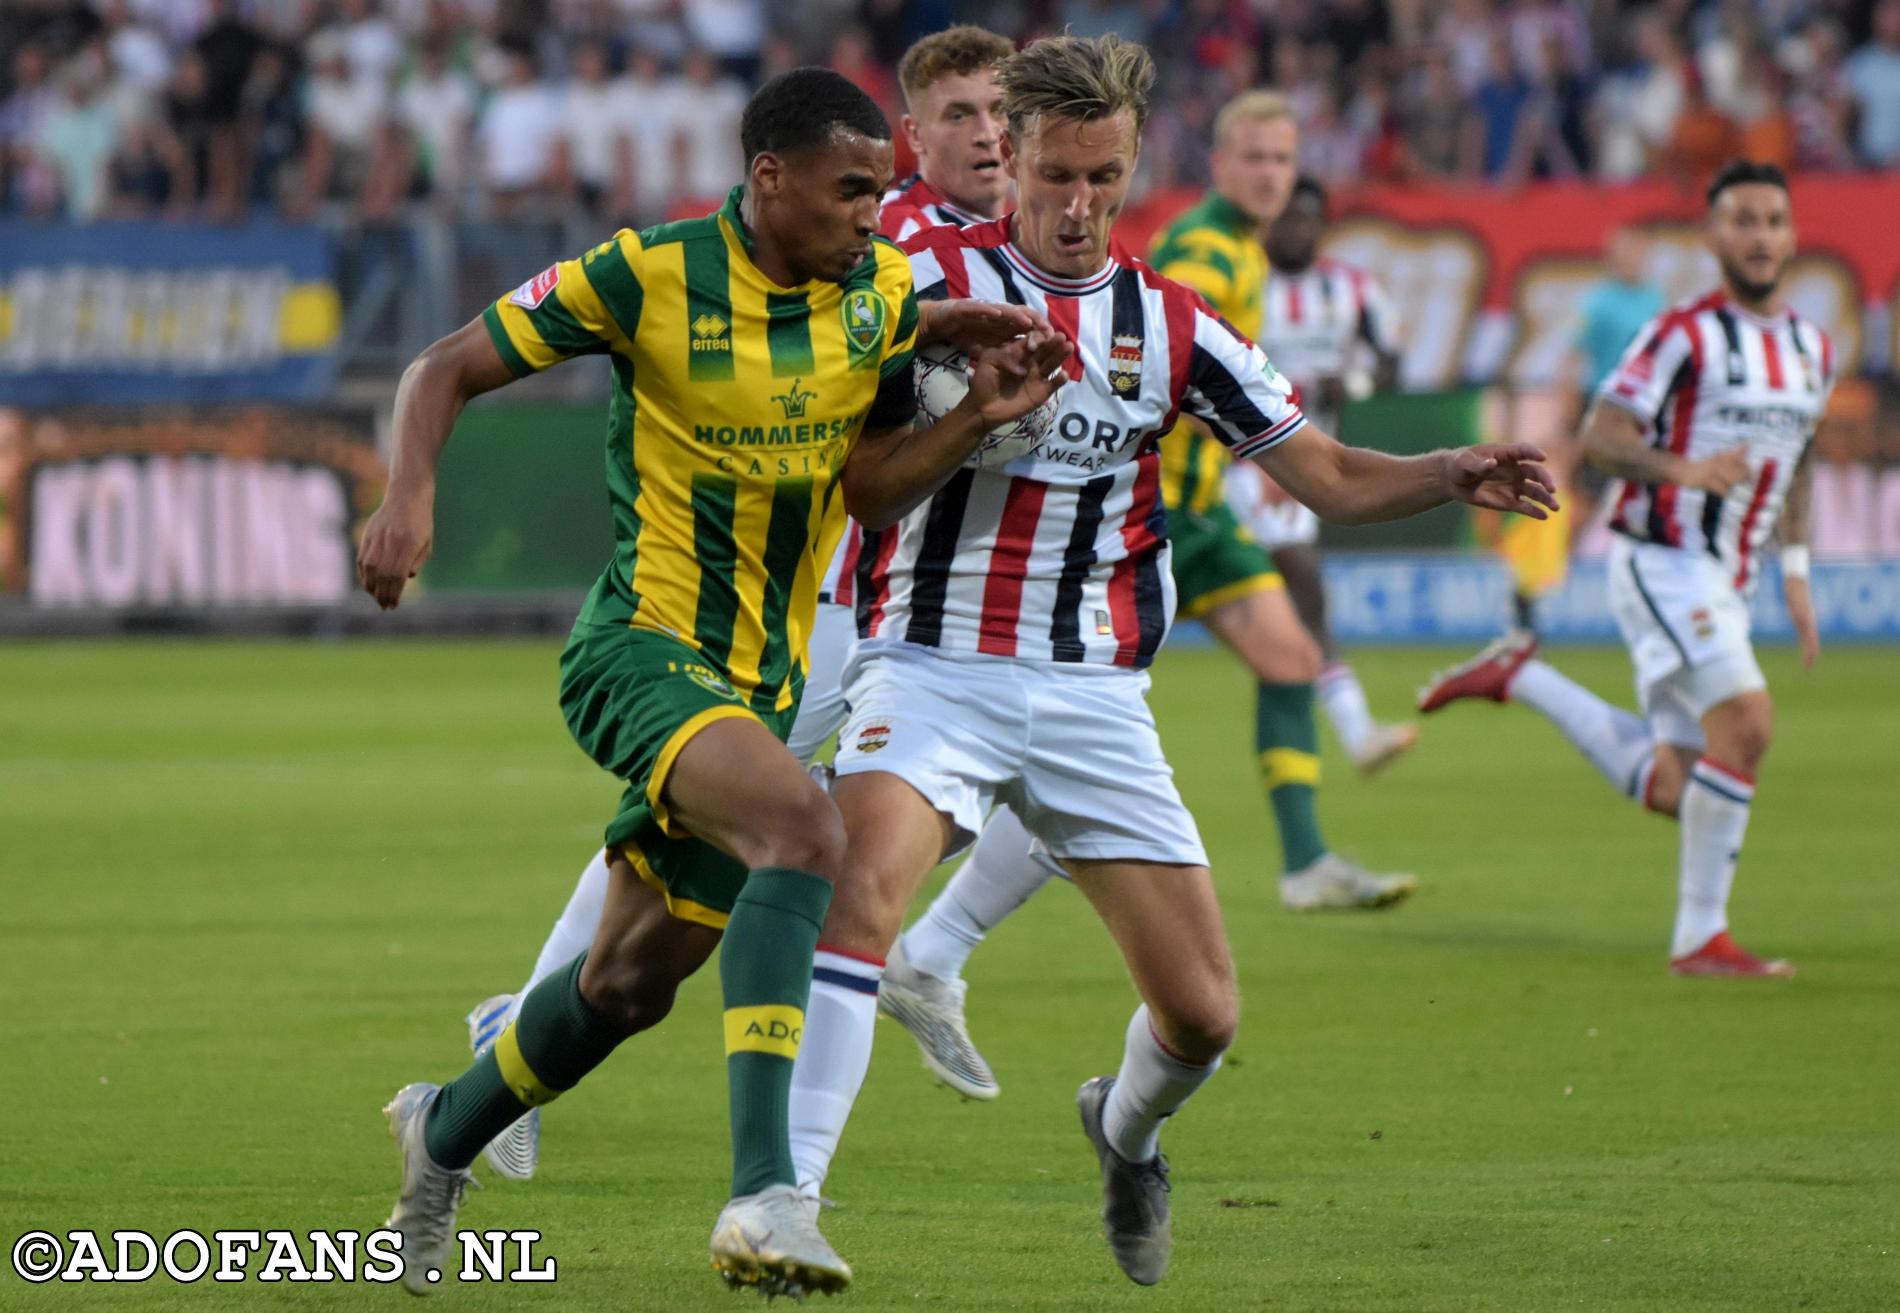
(943, 379)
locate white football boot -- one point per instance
(770, 1242)
(1135, 1209)
(931, 1009)
(425, 1210)
(1335, 884)
(1385, 745)
(515, 1152)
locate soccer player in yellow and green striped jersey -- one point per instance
(762, 383)
(1222, 577)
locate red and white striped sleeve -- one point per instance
(1643, 380)
(1233, 388)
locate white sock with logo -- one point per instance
(1003, 870)
(1151, 1086)
(833, 1055)
(1714, 813)
(573, 932)
(1344, 701)
(1615, 741)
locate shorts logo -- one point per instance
(873, 737)
(1124, 364)
(862, 313)
(1703, 622)
(532, 293)
(1104, 626)
(704, 676)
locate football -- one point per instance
(943, 378)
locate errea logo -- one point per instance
(711, 333)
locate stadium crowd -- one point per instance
(630, 108)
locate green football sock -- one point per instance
(765, 972)
(1286, 742)
(553, 1041)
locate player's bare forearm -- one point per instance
(1353, 485)
(433, 390)
(1613, 441)
(1792, 531)
(891, 473)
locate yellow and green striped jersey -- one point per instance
(1211, 248)
(734, 405)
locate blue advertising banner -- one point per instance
(136, 312)
(1467, 599)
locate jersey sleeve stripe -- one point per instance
(1273, 437)
(504, 342)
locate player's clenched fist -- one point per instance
(396, 542)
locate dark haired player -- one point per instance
(1708, 423)
(756, 352)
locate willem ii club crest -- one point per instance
(873, 737)
(1124, 365)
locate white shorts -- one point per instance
(1071, 750)
(1273, 517)
(1687, 632)
(822, 708)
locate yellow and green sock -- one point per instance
(1286, 744)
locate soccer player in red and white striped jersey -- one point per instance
(1006, 621)
(1708, 424)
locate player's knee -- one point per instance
(867, 911)
(804, 833)
(1199, 1030)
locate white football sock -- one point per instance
(1616, 742)
(1003, 870)
(1714, 815)
(1150, 1087)
(573, 933)
(1344, 701)
(833, 1055)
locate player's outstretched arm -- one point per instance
(435, 387)
(892, 471)
(970, 325)
(1353, 485)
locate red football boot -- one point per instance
(1486, 675)
(1722, 956)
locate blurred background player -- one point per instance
(1707, 424)
(954, 126)
(1223, 578)
(1612, 312)
(1330, 329)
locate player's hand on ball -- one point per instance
(970, 325)
(396, 542)
(1502, 476)
(1009, 381)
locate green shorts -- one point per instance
(1215, 561)
(633, 698)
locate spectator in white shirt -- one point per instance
(436, 109)
(594, 147)
(1873, 79)
(708, 105)
(519, 133)
(346, 131)
(649, 105)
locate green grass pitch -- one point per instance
(251, 889)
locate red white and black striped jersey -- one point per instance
(913, 205)
(906, 210)
(1313, 321)
(1062, 554)
(1707, 376)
